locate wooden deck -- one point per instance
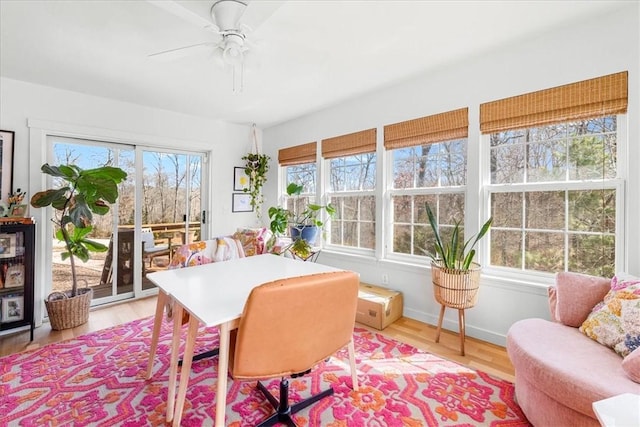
(99, 276)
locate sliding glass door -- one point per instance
(159, 207)
(171, 206)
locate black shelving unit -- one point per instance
(17, 245)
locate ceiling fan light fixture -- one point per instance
(227, 13)
(233, 51)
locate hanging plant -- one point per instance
(256, 167)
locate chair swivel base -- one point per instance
(210, 353)
(283, 409)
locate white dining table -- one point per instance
(214, 295)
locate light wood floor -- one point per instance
(480, 355)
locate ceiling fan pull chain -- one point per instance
(233, 76)
(242, 77)
(238, 81)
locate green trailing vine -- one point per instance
(256, 167)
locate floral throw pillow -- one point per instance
(252, 239)
(615, 322)
(191, 254)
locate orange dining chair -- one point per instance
(289, 326)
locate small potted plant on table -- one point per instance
(80, 195)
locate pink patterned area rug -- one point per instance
(98, 380)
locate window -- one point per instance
(553, 197)
(352, 194)
(351, 188)
(428, 158)
(305, 175)
(433, 174)
(548, 171)
(299, 166)
(555, 189)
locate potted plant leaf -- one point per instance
(454, 274)
(303, 225)
(455, 254)
(80, 195)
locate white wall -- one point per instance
(575, 52)
(106, 119)
(102, 117)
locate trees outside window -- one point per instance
(305, 175)
(352, 184)
(553, 197)
(434, 174)
(544, 165)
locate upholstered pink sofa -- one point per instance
(560, 372)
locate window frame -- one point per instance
(283, 197)
(477, 206)
(327, 195)
(391, 192)
(618, 183)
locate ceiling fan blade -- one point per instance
(180, 52)
(187, 15)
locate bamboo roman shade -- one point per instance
(589, 98)
(297, 155)
(349, 145)
(428, 130)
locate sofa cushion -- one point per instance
(196, 253)
(615, 322)
(227, 248)
(574, 296)
(253, 240)
(565, 365)
(631, 365)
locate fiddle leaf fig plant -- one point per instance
(81, 194)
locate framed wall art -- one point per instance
(7, 245)
(12, 309)
(18, 211)
(14, 276)
(241, 203)
(6, 163)
(241, 180)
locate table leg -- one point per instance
(157, 322)
(223, 366)
(173, 365)
(187, 358)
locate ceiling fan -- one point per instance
(232, 44)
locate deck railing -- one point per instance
(98, 272)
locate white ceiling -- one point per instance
(305, 55)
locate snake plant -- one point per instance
(454, 254)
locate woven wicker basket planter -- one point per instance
(455, 288)
(67, 312)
